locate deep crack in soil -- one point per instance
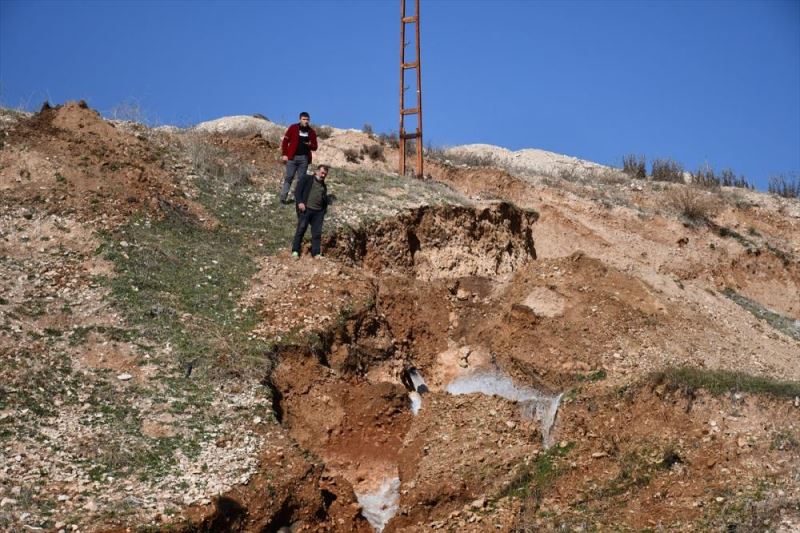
(454, 292)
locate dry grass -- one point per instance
(215, 161)
(693, 203)
(459, 158)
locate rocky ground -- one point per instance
(167, 366)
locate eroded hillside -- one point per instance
(491, 348)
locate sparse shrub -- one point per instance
(470, 159)
(129, 110)
(324, 132)
(367, 128)
(390, 139)
(786, 186)
(704, 177)
(352, 155)
(635, 166)
(374, 152)
(728, 178)
(667, 170)
(435, 153)
(693, 203)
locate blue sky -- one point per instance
(715, 82)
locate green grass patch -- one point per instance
(179, 282)
(724, 382)
(785, 257)
(637, 468)
(785, 325)
(596, 375)
(533, 480)
(784, 440)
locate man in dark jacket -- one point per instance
(298, 142)
(311, 199)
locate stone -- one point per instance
(462, 294)
(124, 376)
(7, 501)
(480, 503)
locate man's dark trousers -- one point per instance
(307, 218)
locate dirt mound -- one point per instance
(530, 160)
(673, 457)
(482, 183)
(68, 159)
(357, 151)
(448, 241)
(242, 126)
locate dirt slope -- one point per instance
(167, 365)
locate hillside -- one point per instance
(599, 352)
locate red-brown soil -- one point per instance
(68, 159)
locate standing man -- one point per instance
(311, 198)
(298, 142)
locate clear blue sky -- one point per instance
(705, 81)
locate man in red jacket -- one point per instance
(298, 143)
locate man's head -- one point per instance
(322, 171)
(304, 118)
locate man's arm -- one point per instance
(312, 140)
(300, 192)
(285, 143)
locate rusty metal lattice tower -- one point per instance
(414, 65)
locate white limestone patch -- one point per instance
(379, 506)
(545, 302)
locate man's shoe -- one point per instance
(295, 256)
